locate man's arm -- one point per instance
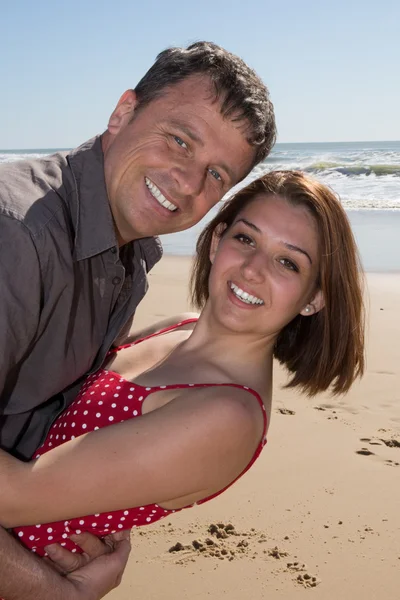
(23, 575)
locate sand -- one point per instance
(319, 513)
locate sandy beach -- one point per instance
(318, 515)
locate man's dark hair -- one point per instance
(242, 94)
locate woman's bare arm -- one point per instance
(189, 448)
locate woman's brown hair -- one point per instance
(327, 348)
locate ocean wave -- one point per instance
(379, 170)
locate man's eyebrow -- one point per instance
(195, 138)
(188, 131)
(286, 244)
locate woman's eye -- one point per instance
(288, 264)
(215, 174)
(180, 142)
(244, 239)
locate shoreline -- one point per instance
(375, 231)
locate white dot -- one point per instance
(113, 405)
(118, 386)
(72, 425)
(130, 397)
(94, 524)
(135, 412)
(50, 538)
(162, 387)
(37, 526)
(81, 522)
(122, 519)
(20, 534)
(72, 437)
(111, 418)
(85, 412)
(31, 537)
(64, 437)
(100, 402)
(111, 378)
(109, 517)
(148, 519)
(126, 408)
(64, 536)
(140, 398)
(131, 389)
(141, 508)
(63, 544)
(91, 393)
(148, 388)
(103, 393)
(78, 531)
(107, 385)
(49, 530)
(120, 526)
(126, 512)
(96, 428)
(73, 550)
(98, 415)
(84, 426)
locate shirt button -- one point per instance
(116, 280)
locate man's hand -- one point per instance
(98, 570)
(65, 561)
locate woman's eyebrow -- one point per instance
(286, 244)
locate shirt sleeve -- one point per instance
(20, 293)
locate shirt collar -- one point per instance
(94, 227)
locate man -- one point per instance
(77, 237)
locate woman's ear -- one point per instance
(216, 238)
(315, 305)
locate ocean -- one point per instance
(365, 175)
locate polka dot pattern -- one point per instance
(104, 399)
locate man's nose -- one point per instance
(190, 179)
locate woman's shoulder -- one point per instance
(185, 320)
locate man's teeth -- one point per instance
(244, 296)
(155, 192)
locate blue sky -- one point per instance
(332, 67)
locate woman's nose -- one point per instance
(254, 267)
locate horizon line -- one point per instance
(64, 148)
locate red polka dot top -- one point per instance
(106, 398)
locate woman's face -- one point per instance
(265, 267)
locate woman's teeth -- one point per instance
(161, 199)
(244, 296)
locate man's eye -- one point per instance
(215, 174)
(180, 142)
(244, 239)
(288, 264)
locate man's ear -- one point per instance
(314, 306)
(123, 112)
(216, 238)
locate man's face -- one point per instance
(168, 164)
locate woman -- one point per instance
(276, 275)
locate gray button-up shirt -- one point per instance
(66, 290)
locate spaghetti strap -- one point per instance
(155, 334)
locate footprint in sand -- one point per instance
(392, 442)
(285, 411)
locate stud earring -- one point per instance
(307, 309)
